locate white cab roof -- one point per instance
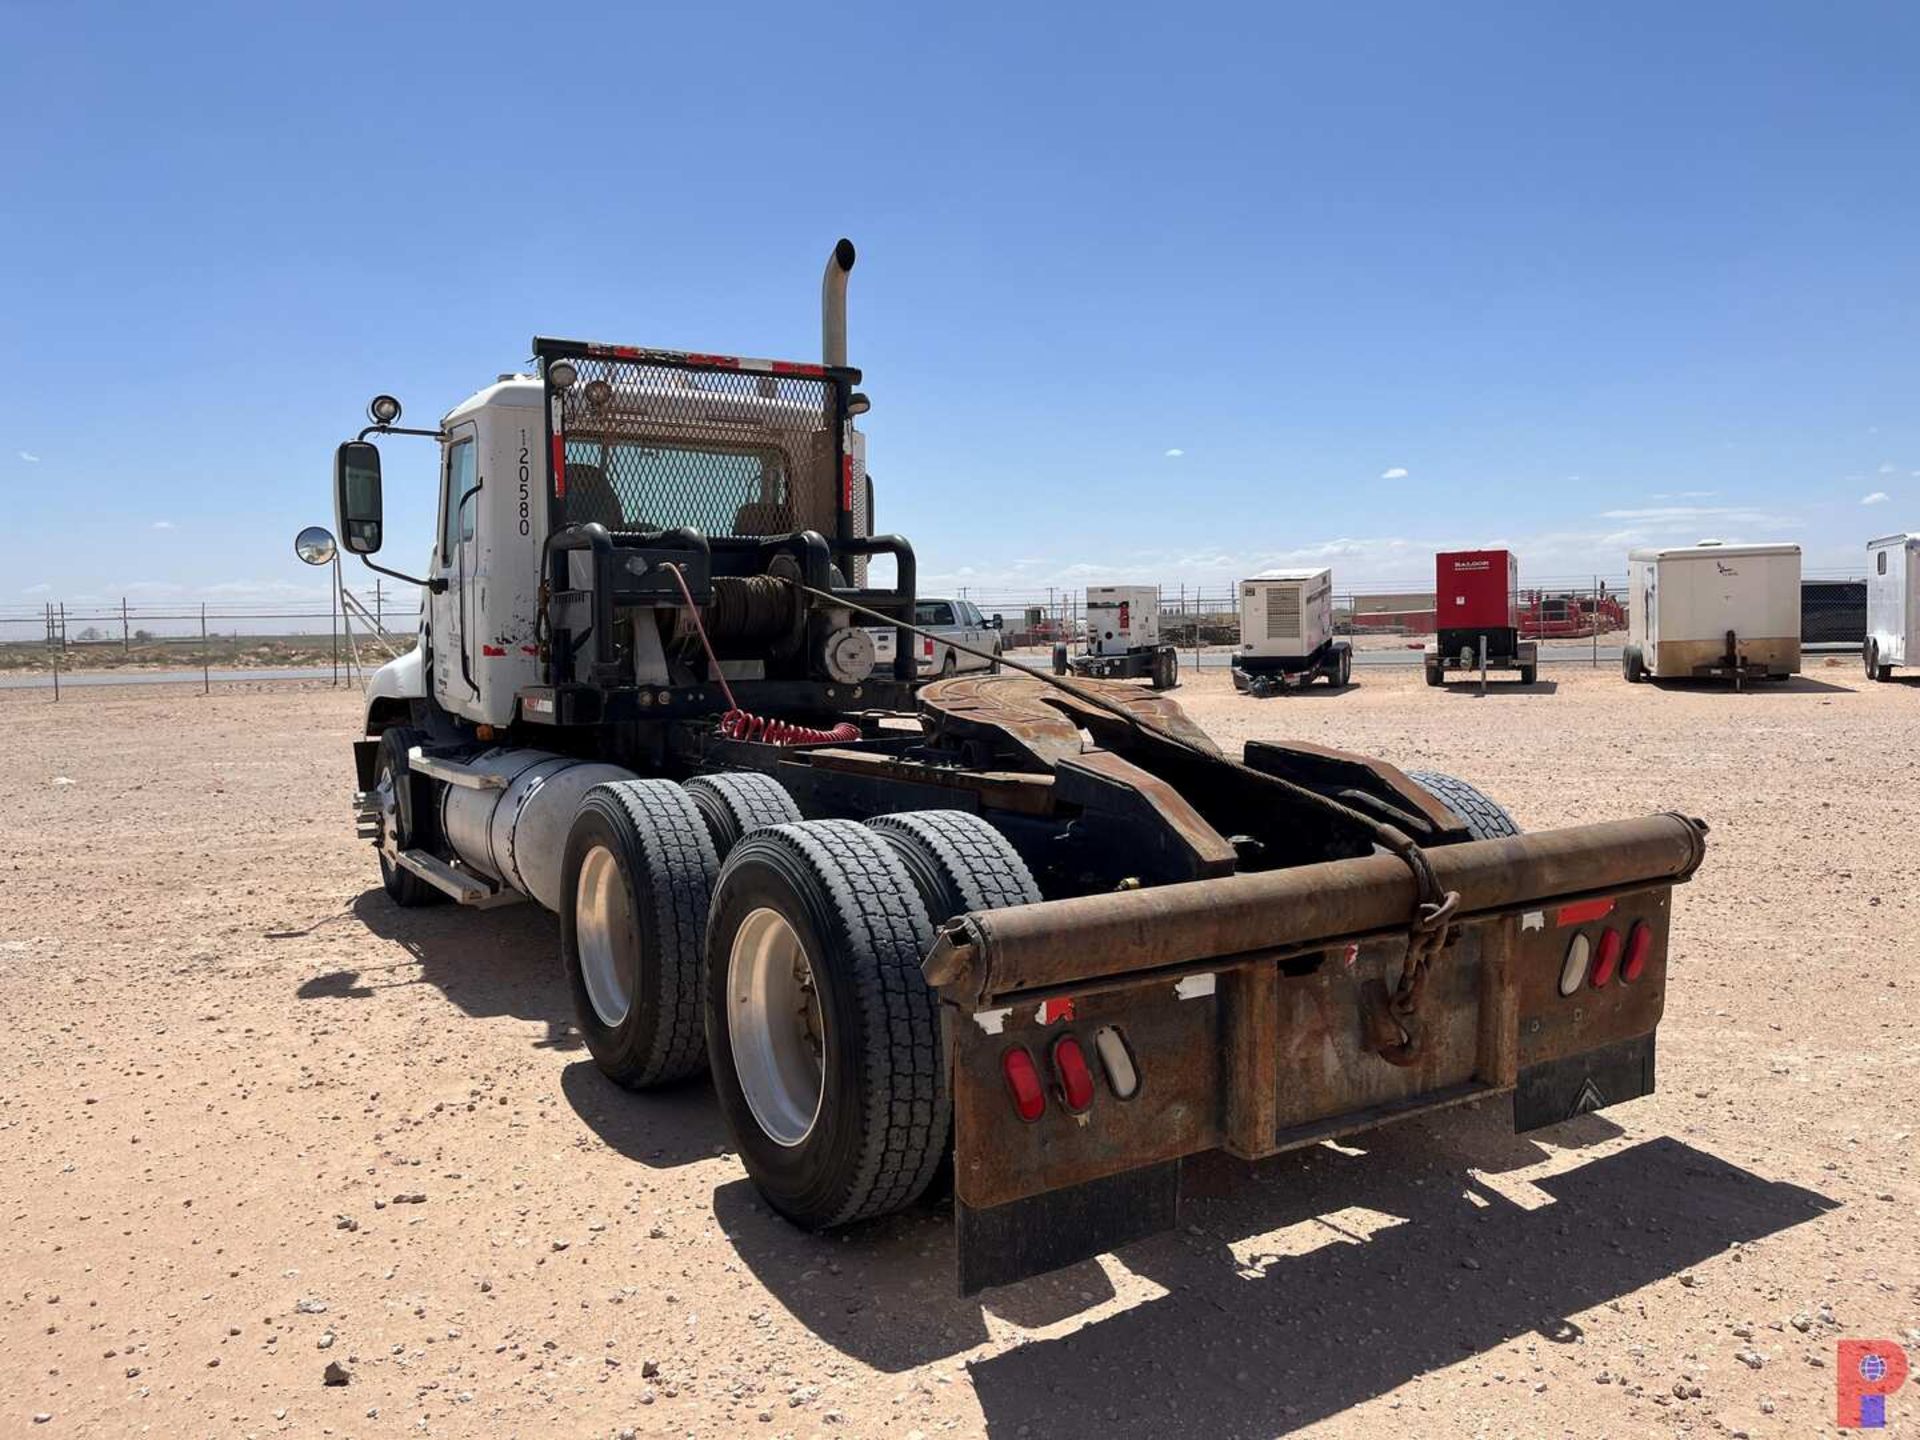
(1905, 536)
(513, 390)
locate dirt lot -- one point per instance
(230, 1155)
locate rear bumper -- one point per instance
(1241, 1003)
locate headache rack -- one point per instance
(713, 463)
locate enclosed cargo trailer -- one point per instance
(1713, 611)
(1893, 605)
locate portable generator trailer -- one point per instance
(1893, 605)
(1477, 617)
(1286, 634)
(1050, 941)
(1121, 639)
(1713, 612)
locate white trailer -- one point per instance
(1286, 633)
(1713, 611)
(1122, 639)
(1893, 605)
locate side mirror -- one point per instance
(356, 496)
(998, 622)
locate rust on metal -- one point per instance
(1021, 791)
(1087, 938)
(1045, 722)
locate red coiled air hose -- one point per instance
(738, 724)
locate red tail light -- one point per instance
(926, 648)
(1606, 957)
(1023, 1082)
(1076, 1080)
(1639, 947)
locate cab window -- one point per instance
(933, 612)
(456, 520)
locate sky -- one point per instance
(1165, 294)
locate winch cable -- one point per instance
(1393, 1017)
(738, 724)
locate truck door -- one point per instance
(455, 685)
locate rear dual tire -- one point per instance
(637, 879)
(824, 1038)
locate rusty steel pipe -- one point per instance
(984, 957)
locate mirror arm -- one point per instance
(437, 585)
(399, 430)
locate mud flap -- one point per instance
(1558, 1090)
(999, 1244)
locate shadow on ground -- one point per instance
(1792, 685)
(1268, 1343)
(1499, 686)
(505, 963)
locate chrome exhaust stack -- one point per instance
(833, 304)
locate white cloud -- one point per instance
(163, 524)
(1685, 494)
(38, 590)
(1889, 468)
(29, 457)
(1669, 519)
(1175, 454)
(1878, 497)
(1397, 472)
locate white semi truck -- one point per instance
(1049, 940)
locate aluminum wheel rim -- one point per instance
(604, 936)
(776, 1027)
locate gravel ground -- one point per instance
(256, 1122)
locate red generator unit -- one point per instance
(1477, 609)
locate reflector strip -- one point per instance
(846, 483)
(1053, 1011)
(559, 467)
(1639, 947)
(1583, 911)
(494, 652)
(1607, 959)
(1023, 1082)
(1076, 1081)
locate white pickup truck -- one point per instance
(948, 620)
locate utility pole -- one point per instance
(126, 646)
(379, 618)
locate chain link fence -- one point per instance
(337, 638)
(1571, 619)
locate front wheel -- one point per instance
(1870, 653)
(1633, 664)
(1343, 670)
(402, 825)
(823, 1036)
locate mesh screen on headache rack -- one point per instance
(651, 444)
